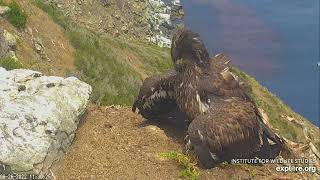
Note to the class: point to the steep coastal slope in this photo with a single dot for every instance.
(114, 142)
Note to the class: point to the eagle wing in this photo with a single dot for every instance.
(156, 96)
(221, 62)
(229, 129)
(217, 79)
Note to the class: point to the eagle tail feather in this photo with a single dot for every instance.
(206, 158)
(280, 146)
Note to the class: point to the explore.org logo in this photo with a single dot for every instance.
(311, 169)
(285, 165)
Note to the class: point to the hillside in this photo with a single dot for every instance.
(67, 38)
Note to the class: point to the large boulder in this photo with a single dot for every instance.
(39, 116)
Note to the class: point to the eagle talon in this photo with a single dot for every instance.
(136, 105)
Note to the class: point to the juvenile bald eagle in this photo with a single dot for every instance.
(157, 96)
(230, 129)
(225, 122)
(200, 75)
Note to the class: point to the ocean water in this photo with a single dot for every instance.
(277, 42)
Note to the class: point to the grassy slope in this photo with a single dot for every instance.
(58, 53)
(15, 16)
(114, 67)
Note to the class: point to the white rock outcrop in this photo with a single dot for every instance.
(160, 20)
(38, 118)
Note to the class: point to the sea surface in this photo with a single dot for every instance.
(277, 42)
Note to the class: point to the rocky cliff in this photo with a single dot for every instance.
(146, 19)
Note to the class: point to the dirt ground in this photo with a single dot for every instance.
(115, 143)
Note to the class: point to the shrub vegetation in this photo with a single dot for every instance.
(9, 63)
(16, 16)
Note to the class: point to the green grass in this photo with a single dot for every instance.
(273, 106)
(155, 58)
(113, 81)
(16, 16)
(57, 16)
(189, 169)
(9, 63)
(104, 67)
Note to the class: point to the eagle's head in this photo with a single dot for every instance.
(188, 49)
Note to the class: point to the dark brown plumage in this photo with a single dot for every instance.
(181, 47)
(225, 132)
(157, 95)
(156, 98)
(200, 76)
(194, 86)
(230, 129)
(225, 122)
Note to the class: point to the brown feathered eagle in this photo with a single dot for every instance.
(225, 122)
(156, 99)
(200, 76)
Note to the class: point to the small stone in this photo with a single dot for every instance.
(38, 47)
(111, 25)
(4, 10)
(105, 3)
(21, 88)
(124, 29)
(117, 16)
(108, 125)
(36, 75)
(116, 33)
(50, 85)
